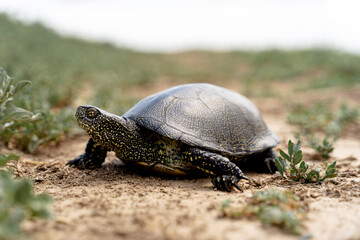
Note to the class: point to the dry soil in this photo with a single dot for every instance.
(115, 202)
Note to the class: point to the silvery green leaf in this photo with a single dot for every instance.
(15, 113)
(297, 157)
(304, 166)
(8, 124)
(6, 158)
(19, 85)
(290, 148)
(284, 155)
(297, 146)
(313, 176)
(279, 166)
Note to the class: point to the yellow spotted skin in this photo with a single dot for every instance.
(189, 129)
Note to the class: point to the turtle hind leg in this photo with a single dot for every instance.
(93, 157)
(270, 161)
(263, 162)
(225, 174)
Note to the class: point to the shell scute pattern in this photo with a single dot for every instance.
(206, 116)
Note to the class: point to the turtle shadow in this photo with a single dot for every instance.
(115, 171)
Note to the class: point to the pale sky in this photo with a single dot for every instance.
(165, 25)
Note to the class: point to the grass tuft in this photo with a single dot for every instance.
(321, 120)
(272, 207)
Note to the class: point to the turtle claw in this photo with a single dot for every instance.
(83, 161)
(244, 177)
(226, 182)
(237, 187)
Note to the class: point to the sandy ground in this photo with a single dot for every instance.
(115, 202)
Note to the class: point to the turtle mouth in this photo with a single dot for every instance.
(80, 114)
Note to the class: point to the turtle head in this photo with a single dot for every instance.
(103, 127)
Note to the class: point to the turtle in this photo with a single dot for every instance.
(188, 130)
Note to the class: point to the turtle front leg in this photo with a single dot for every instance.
(225, 174)
(93, 157)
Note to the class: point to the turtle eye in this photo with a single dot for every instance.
(92, 113)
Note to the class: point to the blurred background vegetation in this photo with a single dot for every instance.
(65, 72)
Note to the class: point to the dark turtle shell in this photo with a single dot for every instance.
(205, 116)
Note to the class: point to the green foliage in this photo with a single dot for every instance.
(346, 115)
(322, 148)
(48, 127)
(17, 200)
(61, 66)
(311, 119)
(18, 203)
(293, 167)
(9, 113)
(320, 119)
(22, 127)
(4, 159)
(272, 207)
(317, 67)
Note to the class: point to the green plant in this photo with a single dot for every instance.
(272, 207)
(48, 127)
(310, 120)
(293, 167)
(320, 119)
(346, 115)
(23, 128)
(9, 113)
(322, 148)
(18, 203)
(4, 159)
(17, 199)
